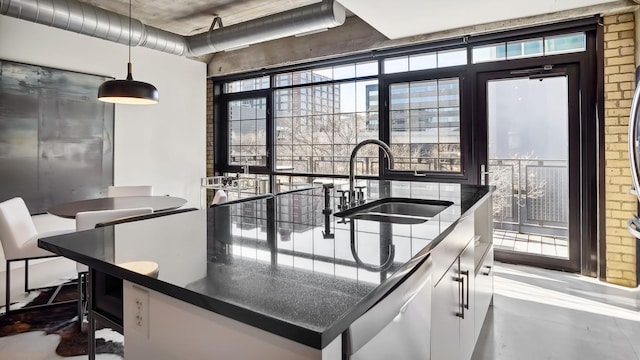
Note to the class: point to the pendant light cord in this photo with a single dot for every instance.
(128, 91)
(129, 70)
(130, 34)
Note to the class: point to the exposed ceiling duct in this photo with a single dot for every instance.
(89, 20)
(307, 19)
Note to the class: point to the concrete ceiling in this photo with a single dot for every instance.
(396, 19)
(188, 17)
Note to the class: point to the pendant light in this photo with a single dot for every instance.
(128, 91)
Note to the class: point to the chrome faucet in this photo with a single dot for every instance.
(245, 168)
(352, 160)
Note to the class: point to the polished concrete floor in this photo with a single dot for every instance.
(541, 314)
(537, 315)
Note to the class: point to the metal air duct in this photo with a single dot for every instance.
(307, 19)
(89, 20)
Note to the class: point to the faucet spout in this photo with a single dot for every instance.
(245, 168)
(352, 160)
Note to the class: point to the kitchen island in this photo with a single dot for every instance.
(280, 277)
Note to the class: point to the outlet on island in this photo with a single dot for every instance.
(140, 313)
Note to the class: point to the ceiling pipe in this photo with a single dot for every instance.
(311, 18)
(89, 20)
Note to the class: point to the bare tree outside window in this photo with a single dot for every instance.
(514, 185)
(528, 154)
(318, 126)
(247, 132)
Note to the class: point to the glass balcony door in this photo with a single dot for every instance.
(531, 154)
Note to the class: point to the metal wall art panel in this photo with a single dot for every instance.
(56, 138)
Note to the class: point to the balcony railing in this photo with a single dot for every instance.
(531, 195)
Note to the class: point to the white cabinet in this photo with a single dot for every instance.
(483, 290)
(463, 289)
(467, 328)
(483, 242)
(452, 335)
(446, 309)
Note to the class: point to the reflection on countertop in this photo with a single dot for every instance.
(270, 263)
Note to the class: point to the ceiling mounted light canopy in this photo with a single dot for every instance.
(128, 91)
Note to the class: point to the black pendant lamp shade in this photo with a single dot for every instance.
(128, 91)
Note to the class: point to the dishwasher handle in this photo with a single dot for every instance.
(390, 308)
(466, 273)
(460, 281)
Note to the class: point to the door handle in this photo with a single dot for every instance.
(483, 174)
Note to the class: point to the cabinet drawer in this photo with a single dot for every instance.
(483, 290)
(448, 249)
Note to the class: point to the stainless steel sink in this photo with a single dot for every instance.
(396, 210)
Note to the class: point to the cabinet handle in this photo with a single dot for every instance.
(460, 281)
(465, 273)
(477, 240)
(488, 270)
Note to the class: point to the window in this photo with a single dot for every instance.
(369, 68)
(322, 110)
(325, 123)
(525, 48)
(247, 85)
(247, 132)
(488, 53)
(425, 125)
(548, 45)
(432, 60)
(565, 44)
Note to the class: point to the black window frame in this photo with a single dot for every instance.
(459, 72)
(222, 132)
(466, 73)
(591, 108)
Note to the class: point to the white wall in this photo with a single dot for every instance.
(162, 145)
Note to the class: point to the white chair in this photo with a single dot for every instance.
(219, 198)
(19, 239)
(86, 220)
(140, 190)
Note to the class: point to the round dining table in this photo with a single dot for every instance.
(157, 203)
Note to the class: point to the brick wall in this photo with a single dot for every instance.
(210, 139)
(619, 76)
(209, 127)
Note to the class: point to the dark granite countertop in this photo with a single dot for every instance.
(270, 263)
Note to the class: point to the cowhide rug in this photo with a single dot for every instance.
(58, 319)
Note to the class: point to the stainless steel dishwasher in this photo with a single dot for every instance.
(399, 325)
